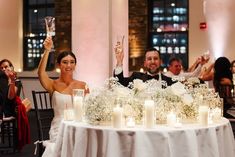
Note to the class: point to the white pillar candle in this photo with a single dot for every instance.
(68, 114)
(77, 105)
(149, 113)
(171, 119)
(130, 122)
(117, 117)
(203, 115)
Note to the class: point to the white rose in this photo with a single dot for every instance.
(178, 88)
(139, 84)
(187, 99)
(122, 91)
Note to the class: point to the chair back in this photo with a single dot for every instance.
(8, 135)
(44, 114)
(227, 93)
(8, 130)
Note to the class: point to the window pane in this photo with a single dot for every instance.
(41, 1)
(35, 32)
(32, 2)
(51, 12)
(169, 29)
(50, 1)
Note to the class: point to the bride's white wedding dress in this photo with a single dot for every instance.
(59, 101)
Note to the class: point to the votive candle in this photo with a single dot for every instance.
(178, 124)
(68, 114)
(130, 122)
(171, 119)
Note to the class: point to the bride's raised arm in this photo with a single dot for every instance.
(46, 82)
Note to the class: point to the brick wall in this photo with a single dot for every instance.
(63, 25)
(138, 32)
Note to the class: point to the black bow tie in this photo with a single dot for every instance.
(153, 77)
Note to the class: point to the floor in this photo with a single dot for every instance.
(28, 150)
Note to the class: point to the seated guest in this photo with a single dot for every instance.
(175, 68)
(233, 70)
(13, 106)
(152, 65)
(208, 73)
(194, 65)
(223, 81)
(10, 105)
(233, 66)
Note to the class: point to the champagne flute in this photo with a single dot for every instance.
(119, 45)
(50, 27)
(206, 55)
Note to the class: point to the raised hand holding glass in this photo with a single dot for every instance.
(119, 45)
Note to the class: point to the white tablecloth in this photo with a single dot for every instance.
(82, 140)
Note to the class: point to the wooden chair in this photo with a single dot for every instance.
(8, 133)
(227, 92)
(44, 114)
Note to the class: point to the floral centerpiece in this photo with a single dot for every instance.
(183, 99)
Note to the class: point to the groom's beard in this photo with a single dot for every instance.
(153, 71)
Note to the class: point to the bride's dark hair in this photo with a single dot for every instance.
(64, 54)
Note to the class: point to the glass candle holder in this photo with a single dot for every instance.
(78, 96)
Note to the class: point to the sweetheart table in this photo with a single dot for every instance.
(189, 140)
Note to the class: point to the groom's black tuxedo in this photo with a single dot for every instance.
(142, 76)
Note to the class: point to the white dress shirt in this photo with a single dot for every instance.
(185, 75)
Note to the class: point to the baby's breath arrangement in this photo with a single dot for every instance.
(178, 98)
(98, 106)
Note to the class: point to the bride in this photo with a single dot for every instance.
(60, 89)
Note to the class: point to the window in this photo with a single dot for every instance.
(34, 32)
(168, 29)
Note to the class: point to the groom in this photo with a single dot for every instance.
(152, 65)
